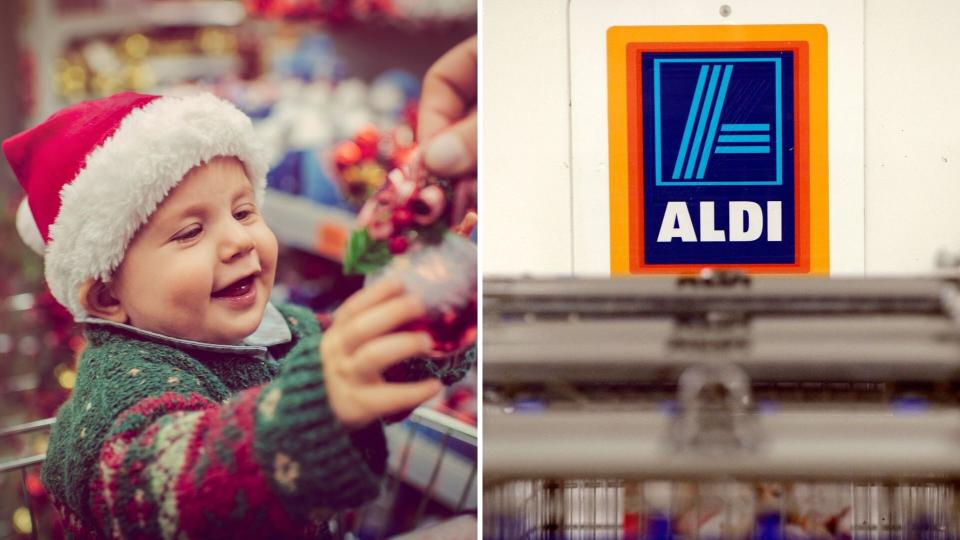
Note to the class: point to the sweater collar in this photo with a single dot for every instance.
(273, 330)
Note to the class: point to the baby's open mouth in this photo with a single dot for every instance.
(239, 287)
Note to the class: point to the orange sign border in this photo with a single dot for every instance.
(809, 44)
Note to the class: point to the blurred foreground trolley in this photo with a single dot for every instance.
(433, 466)
(722, 406)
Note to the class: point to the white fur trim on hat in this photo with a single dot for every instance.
(27, 227)
(129, 175)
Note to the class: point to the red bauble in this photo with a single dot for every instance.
(34, 485)
(347, 154)
(402, 218)
(398, 244)
(367, 140)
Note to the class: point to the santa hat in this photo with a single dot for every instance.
(95, 172)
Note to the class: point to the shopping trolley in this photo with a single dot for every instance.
(721, 406)
(432, 470)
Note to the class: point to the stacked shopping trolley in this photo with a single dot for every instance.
(722, 406)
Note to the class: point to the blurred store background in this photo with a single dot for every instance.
(332, 86)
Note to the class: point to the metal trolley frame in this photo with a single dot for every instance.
(722, 406)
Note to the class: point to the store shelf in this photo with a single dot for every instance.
(171, 70)
(301, 223)
(169, 13)
(48, 32)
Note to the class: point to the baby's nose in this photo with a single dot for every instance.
(236, 243)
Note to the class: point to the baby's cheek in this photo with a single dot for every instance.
(190, 286)
(270, 247)
(192, 307)
(267, 250)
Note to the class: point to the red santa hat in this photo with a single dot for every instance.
(95, 172)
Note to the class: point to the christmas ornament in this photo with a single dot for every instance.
(363, 161)
(403, 234)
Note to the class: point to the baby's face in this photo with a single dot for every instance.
(203, 266)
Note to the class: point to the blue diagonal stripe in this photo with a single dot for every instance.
(745, 127)
(702, 122)
(714, 120)
(694, 107)
(743, 138)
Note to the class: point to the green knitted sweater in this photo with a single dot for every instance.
(166, 441)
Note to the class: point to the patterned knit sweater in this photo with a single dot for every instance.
(164, 441)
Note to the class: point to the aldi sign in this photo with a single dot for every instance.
(711, 153)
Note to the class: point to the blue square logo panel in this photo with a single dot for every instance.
(718, 141)
(719, 119)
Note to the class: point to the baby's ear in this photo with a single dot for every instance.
(98, 300)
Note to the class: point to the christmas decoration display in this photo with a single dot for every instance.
(330, 140)
(400, 12)
(403, 234)
(144, 61)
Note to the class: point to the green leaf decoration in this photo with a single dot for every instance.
(365, 255)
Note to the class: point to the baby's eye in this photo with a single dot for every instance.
(188, 234)
(241, 215)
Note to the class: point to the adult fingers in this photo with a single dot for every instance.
(467, 224)
(464, 199)
(378, 354)
(380, 319)
(367, 297)
(453, 152)
(449, 90)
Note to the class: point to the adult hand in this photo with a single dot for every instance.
(447, 119)
(361, 344)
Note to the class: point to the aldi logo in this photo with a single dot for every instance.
(717, 142)
(719, 120)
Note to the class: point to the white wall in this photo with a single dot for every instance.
(912, 141)
(525, 151)
(912, 135)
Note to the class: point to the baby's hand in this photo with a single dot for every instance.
(360, 344)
